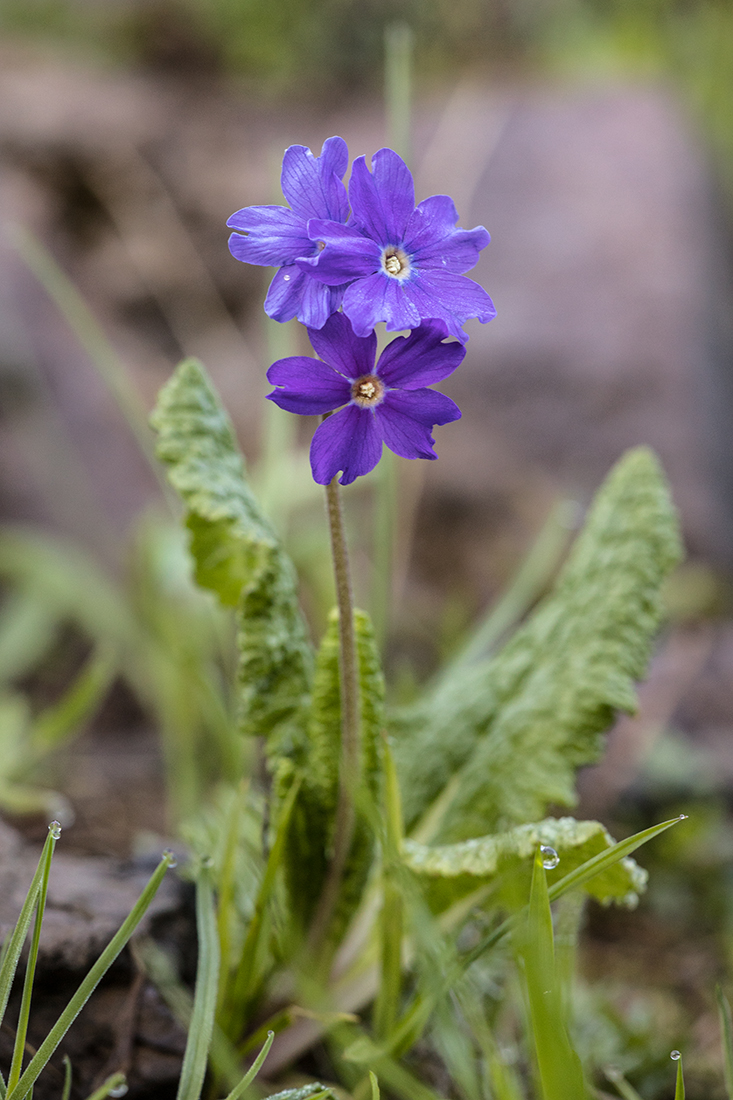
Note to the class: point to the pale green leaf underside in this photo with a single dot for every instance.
(574, 841)
(236, 553)
(516, 727)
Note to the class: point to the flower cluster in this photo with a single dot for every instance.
(376, 257)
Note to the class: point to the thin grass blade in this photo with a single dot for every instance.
(391, 920)
(11, 952)
(726, 1032)
(679, 1091)
(39, 1061)
(254, 1069)
(66, 1093)
(558, 1065)
(111, 1087)
(196, 1056)
(624, 1089)
(21, 1028)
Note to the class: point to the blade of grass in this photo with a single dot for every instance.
(254, 1069)
(391, 918)
(54, 724)
(679, 1090)
(67, 1078)
(624, 1089)
(38, 1063)
(532, 577)
(196, 1056)
(21, 1028)
(109, 1087)
(12, 951)
(93, 339)
(726, 1031)
(558, 1065)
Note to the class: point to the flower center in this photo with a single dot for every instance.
(395, 262)
(367, 391)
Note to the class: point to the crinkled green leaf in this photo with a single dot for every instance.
(311, 836)
(236, 552)
(464, 865)
(518, 726)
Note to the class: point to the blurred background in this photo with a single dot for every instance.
(594, 139)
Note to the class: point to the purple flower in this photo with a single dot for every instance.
(386, 403)
(403, 264)
(277, 236)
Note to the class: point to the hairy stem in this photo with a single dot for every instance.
(350, 723)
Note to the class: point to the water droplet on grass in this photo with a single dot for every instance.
(55, 829)
(675, 1055)
(118, 1090)
(170, 855)
(550, 858)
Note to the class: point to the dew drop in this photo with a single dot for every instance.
(286, 278)
(550, 858)
(118, 1090)
(55, 829)
(170, 856)
(675, 1055)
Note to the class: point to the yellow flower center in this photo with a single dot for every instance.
(396, 262)
(367, 391)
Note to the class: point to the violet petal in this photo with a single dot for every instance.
(379, 298)
(312, 185)
(406, 420)
(382, 200)
(434, 241)
(340, 347)
(275, 235)
(307, 386)
(348, 253)
(420, 359)
(351, 441)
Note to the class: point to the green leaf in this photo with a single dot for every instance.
(45, 1051)
(558, 1066)
(237, 554)
(311, 834)
(462, 866)
(726, 1031)
(679, 1092)
(196, 1056)
(517, 727)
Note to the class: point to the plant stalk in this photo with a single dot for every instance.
(345, 818)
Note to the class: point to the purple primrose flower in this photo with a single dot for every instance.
(386, 403)
(277, 236)
(404, 264)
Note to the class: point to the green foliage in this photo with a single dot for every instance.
(558, 1068)
(556, 686)
(461, 867)
(311, 837)
(237, 554)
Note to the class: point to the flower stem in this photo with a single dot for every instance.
(349, 767)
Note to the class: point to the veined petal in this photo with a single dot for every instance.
(351, 441)
(285, 293)
(307, 386)
(275, 236)
(406, 419)
(379, 298)
(420, 359)
(434, 241)
(382, 200)
(347, 255)
(313, 185)
(318, 302)
(340, 347)
(451, 298)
